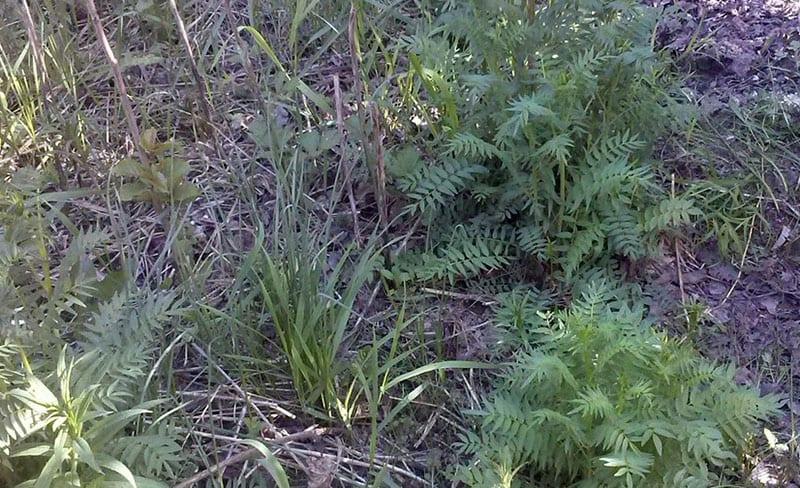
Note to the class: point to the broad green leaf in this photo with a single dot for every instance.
(114, 465)
(185, 192)
(136, 191)
(85, 454)
(52, 467)
(174, 169)
(310, 142)
(33, 451)
(270, 463)
(128, 168)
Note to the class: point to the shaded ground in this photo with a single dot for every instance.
(734, 48)
(743, 53)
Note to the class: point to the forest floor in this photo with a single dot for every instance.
(738, 300)
(742, 53)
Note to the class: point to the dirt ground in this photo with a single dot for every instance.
(736, 51)
(734, 48)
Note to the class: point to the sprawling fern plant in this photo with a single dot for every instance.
(598, 399)
(543, 118)
(68, 421)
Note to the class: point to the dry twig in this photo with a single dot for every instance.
(198, 78)
(133, 126)
(248, 454)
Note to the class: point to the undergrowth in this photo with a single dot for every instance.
(540, 147)
(230, 259)
(595, 397)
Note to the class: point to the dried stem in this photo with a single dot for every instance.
(348, 172)
(250, 453)
(41, 69)
(380, 164)
(36, 46)
(198, 78)
(130, 118)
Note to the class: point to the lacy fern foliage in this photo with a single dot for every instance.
(70, 421)
(599, 399)
(546, 118)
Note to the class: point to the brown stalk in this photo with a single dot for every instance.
(380, 164)
(130, 118)
(36, 46)
(198, 78)
(348, 181)
(379, 172)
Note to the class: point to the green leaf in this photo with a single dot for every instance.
(114, 465)
(33, 451)
(128, 168)
(310, 142)
(318, 100)
(185, 192)
(52, 467)
(136, 191)
(174, 169)
(437, 366)
(270, 463)
(85, 454)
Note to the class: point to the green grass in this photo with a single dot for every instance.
(289, 352)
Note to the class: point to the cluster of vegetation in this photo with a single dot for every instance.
(543, 147)
(595, 398)
(495, 146)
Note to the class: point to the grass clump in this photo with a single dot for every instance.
(309, 300)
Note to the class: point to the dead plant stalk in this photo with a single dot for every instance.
(198, 78)
(130, 117)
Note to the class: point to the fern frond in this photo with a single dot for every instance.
(432, 186)
(558, 147)
(117, 343)
(155, 455)
(670, 213)
(533, 241)
(615, 148)
(582, 244)
(469, 146)
(523, 110)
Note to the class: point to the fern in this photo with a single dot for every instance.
(602, 400)
(464, 256)
(672, 212)
(470, 146)
(431, 187)
(79, 411)
(561, 134)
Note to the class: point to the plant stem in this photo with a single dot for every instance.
(130, 118)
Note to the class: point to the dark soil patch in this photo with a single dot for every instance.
(735, 48)
(736, 52)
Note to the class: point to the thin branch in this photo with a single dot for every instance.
(133, 127)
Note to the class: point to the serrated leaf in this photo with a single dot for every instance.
(136, 191)
(128, 168)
